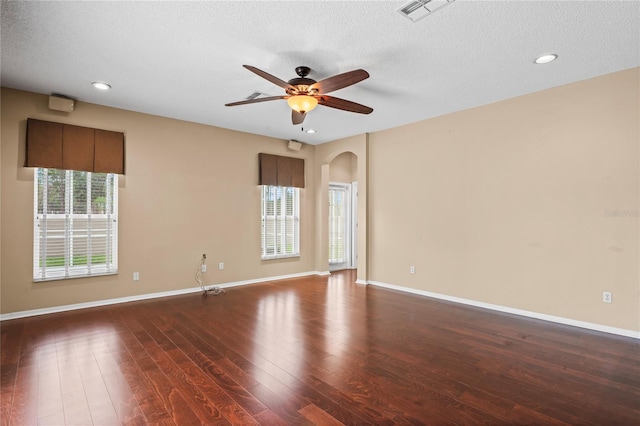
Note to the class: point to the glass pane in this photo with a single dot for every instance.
(337, 225)
(278, 200)
(40, 183)
(99, 193)
(99, 229)
(289, 201)
(270, 232)
(79, 192)
(56, 190)
(79, 244)
(289, 230)
(54, 240)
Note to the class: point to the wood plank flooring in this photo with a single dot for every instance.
(316, 350)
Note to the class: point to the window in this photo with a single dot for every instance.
(280, 222)
(75, 224)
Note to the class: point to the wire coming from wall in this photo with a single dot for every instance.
(206, 291)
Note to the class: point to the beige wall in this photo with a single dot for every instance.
(510, 203)
(189, 189)
(344, 168)
(529, 203)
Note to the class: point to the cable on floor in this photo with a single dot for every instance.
(206, 291)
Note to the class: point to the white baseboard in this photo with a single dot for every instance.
(506, 309)
(499, 308)
(76, 306)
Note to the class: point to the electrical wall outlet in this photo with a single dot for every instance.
(221, 266)
(136, 276)
(412, 269)
(203, 267)
(606, 296)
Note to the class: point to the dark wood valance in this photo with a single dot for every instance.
(281, 171)
(64, 146)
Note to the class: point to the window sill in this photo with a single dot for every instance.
(58, 274)
(284, 256)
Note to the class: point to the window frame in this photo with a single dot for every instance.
(109, 218)
(280, 237)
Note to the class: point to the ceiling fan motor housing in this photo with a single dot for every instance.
(301, 83)
(303, 71)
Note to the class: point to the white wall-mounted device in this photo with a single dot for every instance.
(294, 145)
(60, 103)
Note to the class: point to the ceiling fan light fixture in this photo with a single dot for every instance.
(302, 103)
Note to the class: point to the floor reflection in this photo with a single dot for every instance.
(60, 377)
(278, 334)
(339, 319)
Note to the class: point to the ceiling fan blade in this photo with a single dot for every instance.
(271, 78)
(339, 81)
(344, 105)
(297, 117)
(256, 100)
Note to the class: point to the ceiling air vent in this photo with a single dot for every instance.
(418, 9)
(255, 95)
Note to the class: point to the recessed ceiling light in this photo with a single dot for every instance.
(545, 59)
(311, 131)
(101, 86)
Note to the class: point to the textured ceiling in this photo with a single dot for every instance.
(184, 59)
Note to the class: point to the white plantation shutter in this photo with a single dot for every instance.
(280, 209)
(75, 224)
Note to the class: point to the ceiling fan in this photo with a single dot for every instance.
(304, 94)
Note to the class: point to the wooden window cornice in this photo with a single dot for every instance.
(64, 146)
(277, 170)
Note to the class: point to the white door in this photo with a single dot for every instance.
(341, 228)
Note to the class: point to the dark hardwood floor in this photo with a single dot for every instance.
(316, 350)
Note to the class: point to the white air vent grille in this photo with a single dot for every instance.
(409, 8)
(254, 95)
(419, 9)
